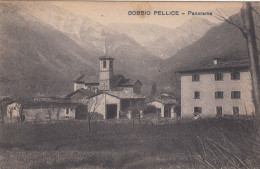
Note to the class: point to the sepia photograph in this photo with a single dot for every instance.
(129, 85)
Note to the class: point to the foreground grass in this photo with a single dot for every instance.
(206, 143)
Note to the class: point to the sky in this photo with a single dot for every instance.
(117, 12)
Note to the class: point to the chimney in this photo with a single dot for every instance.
(216, 61)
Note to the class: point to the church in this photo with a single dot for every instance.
(109, 95)
(107, 81)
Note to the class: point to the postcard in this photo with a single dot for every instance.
(129, 84)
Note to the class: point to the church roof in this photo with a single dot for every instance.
(84, 79)
(129, 82)
(106, 57)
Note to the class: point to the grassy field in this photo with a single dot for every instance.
(205, 143)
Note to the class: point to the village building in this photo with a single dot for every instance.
(165, 106)
(13, 110)
(108, 95)
(39, 111)
(216, 89)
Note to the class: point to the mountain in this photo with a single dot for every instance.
(35, 57)
(44, 47)
(164, 42)
(174, 40)
(129, 54)
(224, 41)
(143, 33)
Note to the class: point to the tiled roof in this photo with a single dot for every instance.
(166, 101)
(49, 104)
(125, 95)
(223, 65)
(126, 82)
(83, 78)
(83, 92)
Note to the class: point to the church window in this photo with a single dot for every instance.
(104, 64)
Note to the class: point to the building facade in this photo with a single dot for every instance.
(110, 103)
(217, 89)
(39, 111)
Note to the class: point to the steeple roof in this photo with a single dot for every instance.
(106, 58)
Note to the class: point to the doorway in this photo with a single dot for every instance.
(111, 111)
(167, 111)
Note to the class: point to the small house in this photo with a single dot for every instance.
(41, 111)
(165, 106)
(111, 103)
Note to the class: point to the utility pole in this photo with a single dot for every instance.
(250, 36)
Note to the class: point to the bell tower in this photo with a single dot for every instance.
(106, 72)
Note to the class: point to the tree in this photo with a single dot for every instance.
(2, 111)
(154, 89)
(90, 107)
(248, 31)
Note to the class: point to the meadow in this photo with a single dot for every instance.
(203, 143)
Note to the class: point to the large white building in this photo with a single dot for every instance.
(219, 88)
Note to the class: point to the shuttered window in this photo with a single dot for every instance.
(219, 95)
(195, 77)
(218, 76)
(235, 95)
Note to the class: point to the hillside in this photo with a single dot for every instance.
(164, 42)
(90, 34)
(33, 57)
(176, 39)
(41, 55)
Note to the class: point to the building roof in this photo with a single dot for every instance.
(84, 79)
(106, 57)
(121, 95)
(125, 95)
(83, 92)
(121, 81)
(222, 65)
(49, 104)
(165, 101)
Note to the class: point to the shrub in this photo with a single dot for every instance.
(150, 109)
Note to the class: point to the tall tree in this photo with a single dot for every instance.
(250, 36)
(248, 31)
(154, 89)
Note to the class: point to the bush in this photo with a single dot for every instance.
(150, 109)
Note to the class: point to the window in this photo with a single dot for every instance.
(219, 95)
(219, 110)
(195, 78)
(196, 95)
(111, 64)
(67, 111)
(235, 76)
(235, 110)
(235, 95)
(104, 64)
(197, 110)
(218, 76)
